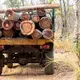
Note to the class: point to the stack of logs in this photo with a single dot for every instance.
(26, 25)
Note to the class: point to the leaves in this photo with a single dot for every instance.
(50, 1)
(14, 3)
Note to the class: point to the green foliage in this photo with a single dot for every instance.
(78, 74)
(50, 1)
(12, 3)
(79, 45)
(57, 12)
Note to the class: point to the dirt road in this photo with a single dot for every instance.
(36, 72)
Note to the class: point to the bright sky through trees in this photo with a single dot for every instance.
(34, 1)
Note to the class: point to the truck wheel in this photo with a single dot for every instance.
(49, 62)
(42, 63)
(0, 69)
(10, 57)
(42, 60)
(10, 65)
(1, 62)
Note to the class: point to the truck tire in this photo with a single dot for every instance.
(42, 63)
(10, 57)
(10, 65)
(49, 62)
(0, 69)
(1, 62)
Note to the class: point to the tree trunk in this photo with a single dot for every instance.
(75, 37)
(64, 19)
(22, 2)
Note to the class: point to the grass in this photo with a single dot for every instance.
(67, 46)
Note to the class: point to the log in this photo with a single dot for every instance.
(22, 36)
(0, 33)
(35, 18)
(41, 12)
(7, 24)
(25, 16)
(27, 27)
(36, 34)
(47, 33)
(45, 23)
(8, 33)
(11, 15)
(17, 25)
(1, 20)
(35, 7)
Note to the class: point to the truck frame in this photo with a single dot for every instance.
(24, 51)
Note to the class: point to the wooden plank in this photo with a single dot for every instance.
(45, 6)
(19, 41)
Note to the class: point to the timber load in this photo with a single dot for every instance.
(26, 23)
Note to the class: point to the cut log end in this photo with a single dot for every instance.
(36, 34)
(47, 33)
(7, 24)
(27, 27)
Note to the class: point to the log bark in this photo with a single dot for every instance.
(1, 20)
(17, 25)
(0, 33)
(36, 34)
(25, 16)
(35, 18)
(8, 33)
(41, 12)
(11, 15)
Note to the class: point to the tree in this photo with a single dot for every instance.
(76, 36)
(64, 7)
(33, 2)
(50, 1)
(76, 27)
(12, 3)
(22, 1)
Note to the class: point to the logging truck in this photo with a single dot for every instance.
(27, 36)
